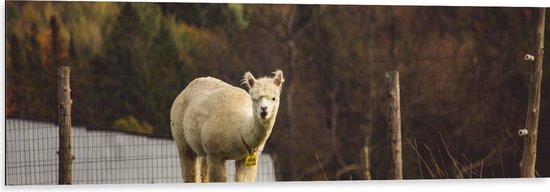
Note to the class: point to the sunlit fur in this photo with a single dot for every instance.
(209, 117)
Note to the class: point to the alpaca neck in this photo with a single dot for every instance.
(256, 133)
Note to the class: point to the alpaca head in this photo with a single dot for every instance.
(265, 94)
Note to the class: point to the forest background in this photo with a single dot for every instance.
(464, 80)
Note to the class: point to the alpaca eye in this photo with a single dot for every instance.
(273, 99)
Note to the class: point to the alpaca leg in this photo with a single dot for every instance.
(245, 173)
(204, 169)
(216, 169)
(239, 170)
(188, 163)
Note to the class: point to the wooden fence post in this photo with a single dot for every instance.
(365, 164)
(394, 125)
(64, 97)
(527, 163)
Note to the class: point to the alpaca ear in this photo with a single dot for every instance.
(278, 80)
(249, 80)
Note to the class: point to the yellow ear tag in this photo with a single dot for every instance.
(250, 160)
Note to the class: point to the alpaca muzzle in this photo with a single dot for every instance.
(263, 114)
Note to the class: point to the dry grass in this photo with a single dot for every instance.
(461, 168)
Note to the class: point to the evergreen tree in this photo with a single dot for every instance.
(16, 70)
(114, 69)
(167, 78)
(55, 41)
(33, 79)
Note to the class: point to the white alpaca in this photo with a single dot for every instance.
(212, 122)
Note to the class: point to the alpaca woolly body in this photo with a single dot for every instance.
(210, 119)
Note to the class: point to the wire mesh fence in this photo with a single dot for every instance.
(452, 121)
(101, 156)
(31, 152)
(459, 111)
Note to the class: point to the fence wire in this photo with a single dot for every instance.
(101, 157)
(320, 135)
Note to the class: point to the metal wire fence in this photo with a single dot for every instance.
(101, 156)
(456, 112)
(319, 136)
